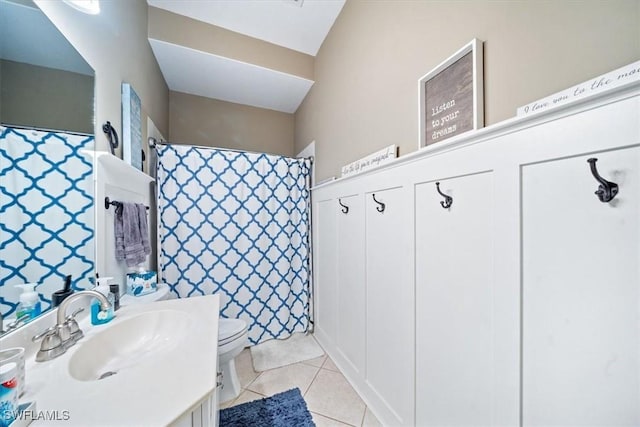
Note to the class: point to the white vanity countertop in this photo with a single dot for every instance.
(155, 392)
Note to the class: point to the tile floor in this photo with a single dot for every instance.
(329, 396)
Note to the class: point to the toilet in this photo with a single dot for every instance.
(232, 339)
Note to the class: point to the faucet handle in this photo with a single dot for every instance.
(50, 338)
(44, 333)
(64, 332)
(75, 313)
(52, 345)
(74, 330)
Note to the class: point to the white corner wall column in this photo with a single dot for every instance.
(517, 305)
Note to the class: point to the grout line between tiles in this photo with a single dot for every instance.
(331, 370)
(319, 368)
(242, 390)
(311, 383)
(333, 419)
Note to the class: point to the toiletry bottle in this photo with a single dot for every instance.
(29, 307)
(58, 296)
(115, 292)
(8, 393)
(98, 317)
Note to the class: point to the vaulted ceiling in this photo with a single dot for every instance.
(28, 36)
(251, 52)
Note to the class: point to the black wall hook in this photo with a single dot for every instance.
(381, 206)
(345, 208)
(448, 200)
(607, 190)
(112, 136)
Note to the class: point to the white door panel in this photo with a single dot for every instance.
(454, 294)
(390, 305)
(325, 266)
(581, 293)
(351, 287)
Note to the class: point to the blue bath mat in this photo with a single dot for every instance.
(287, 409)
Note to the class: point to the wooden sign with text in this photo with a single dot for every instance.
(451, 96)
(628, 74)
(371, 161)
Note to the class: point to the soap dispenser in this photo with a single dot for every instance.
(99, 317)
(29, 307)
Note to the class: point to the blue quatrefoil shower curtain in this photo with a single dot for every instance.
(237, 224)
(46, 212)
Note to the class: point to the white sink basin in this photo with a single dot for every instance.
(128, 344)
(160, 346)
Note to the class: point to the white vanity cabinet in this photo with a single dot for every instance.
(176, 375)
(518, 305)
(205, 414)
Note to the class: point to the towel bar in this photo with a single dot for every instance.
(108, 202)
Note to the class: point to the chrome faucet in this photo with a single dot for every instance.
(57, 339)
(62, 308)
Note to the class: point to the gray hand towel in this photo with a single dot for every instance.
(132, 234)
(144, 228)
(118, 229)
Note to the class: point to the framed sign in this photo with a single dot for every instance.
(131, 127)
(451, 96)
(371, 161)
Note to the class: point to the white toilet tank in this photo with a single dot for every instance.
(161, 294)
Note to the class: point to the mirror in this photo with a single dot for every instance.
(46, 167)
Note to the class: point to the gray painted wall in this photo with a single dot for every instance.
(45, 98)
(366, 91)
(115, 44)
(204, 121)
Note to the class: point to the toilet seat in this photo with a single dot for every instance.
(230, 329)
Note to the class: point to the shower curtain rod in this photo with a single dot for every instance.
(153, 142)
